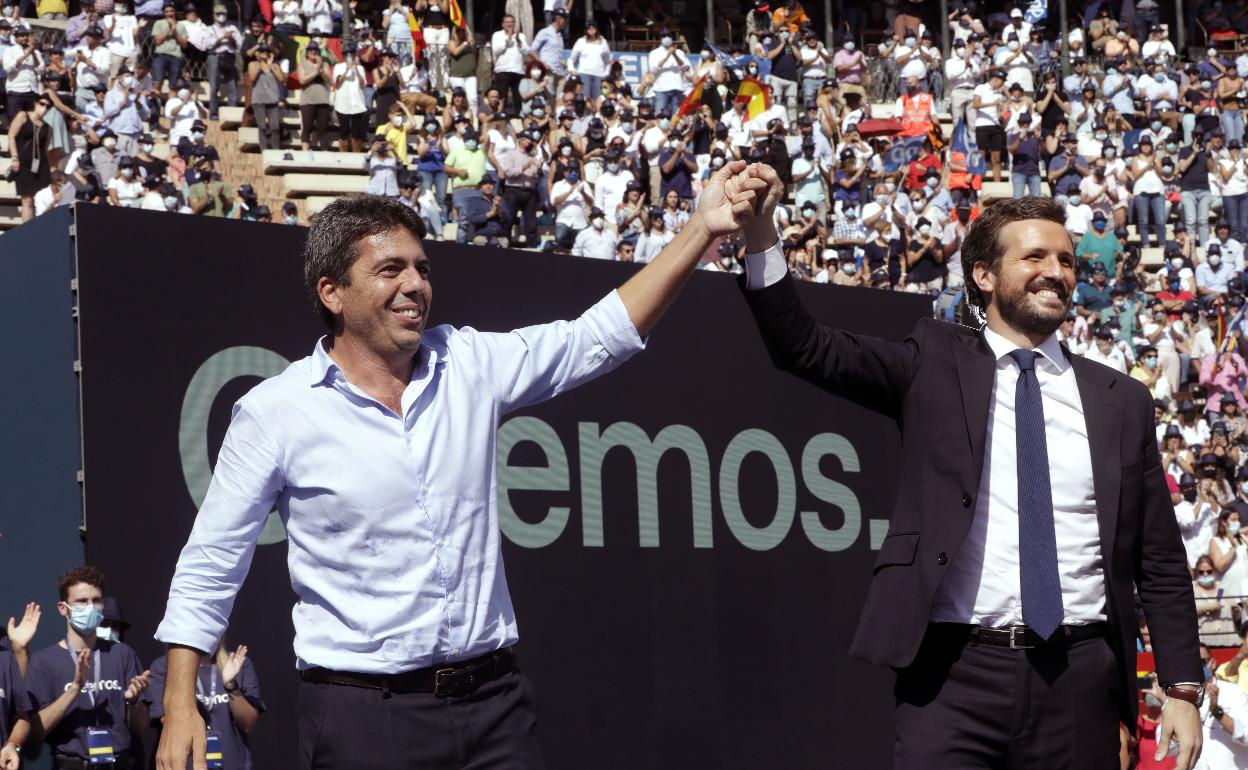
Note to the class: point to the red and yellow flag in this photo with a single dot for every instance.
(457, 15)
(756, 96)
(693, 100)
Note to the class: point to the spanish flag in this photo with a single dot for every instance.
(693, 100)
(756, 96)
(457, 15)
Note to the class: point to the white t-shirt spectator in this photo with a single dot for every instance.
(182, 115)
(349, 97)
(812, 61)
(1078, 218)
(320, 16)
(595, 244)
(609, 189)
(128, 192)
(22, 78)
(1114, 359)
(509, 52)
(990, 101)
(122, 41)
(668, 66)
(1163, 94)
(915, 66)
(591, 57)
(97, 73)
(650, 244)
(287, 13)
(571, 213)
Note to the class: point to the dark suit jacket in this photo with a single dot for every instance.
(937, 385)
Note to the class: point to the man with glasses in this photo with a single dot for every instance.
(84, 691)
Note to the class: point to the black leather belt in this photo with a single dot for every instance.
(66, 762)
(450, 681)
(1023, 638)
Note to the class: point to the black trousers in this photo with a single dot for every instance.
(961, 706)
(354, 728)
(522, 200)
(508, 85)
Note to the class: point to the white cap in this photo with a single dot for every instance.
(1017, 13)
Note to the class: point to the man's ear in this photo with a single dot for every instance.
(330, 295)
(984, 279)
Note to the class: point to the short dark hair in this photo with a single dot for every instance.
(84, 573)
(983, 242)
(333, 240)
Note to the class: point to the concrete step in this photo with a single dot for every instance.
(313, 162)
(303, 185)
(249, 139)
(232, 117)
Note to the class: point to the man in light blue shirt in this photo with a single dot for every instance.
(1214, 274)
(548, 43)
(378, 452)
(126, 112)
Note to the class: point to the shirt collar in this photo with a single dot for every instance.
(1050, 349)
(433, 352)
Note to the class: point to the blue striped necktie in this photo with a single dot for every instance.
(1037, 541)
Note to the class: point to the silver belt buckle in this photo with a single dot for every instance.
(1016, 633)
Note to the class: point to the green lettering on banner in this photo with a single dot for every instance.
(832, 492)
(646, 455)
(553, 478)
(209, 379)
(743, 444)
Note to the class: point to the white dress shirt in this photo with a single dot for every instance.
(981, 584)
(392, 521)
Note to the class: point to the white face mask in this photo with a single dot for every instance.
(925, 230)
(1207, 581)
(1012, 45)
(110, 142)
(128, 81)
(397, 120)
(1232, 527)
(565, 152)
(850, 45)
(184, 94)
(127, 172)
(598, 223)
(535, 74)
(171, 201)
(147, 147)
(613, 167)
(290, 219)
(221, 18)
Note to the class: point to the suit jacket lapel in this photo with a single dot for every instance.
(1103, 416)
(977, 371)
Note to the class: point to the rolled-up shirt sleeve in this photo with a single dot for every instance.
(764, 268)
(530, 365)
(245, 485)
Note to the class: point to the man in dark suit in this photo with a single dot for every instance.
(1032, 507)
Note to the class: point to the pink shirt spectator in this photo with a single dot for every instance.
(853, 59)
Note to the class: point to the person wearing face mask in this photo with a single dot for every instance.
(1213, 276)
(671, 70)
(126, 188)
(1104, 351)
(183, 110)
(1148, 370)
(1078, 216)
(612, 183)
(1099, 245)
(521, 169)
(1231, 249)
(987, 100)
(591, 60)
(1228, 549)
(1233, 174)
(849, 65)
(87, 690)
(126, 112)
(510, 49)
(222, 61)
(1145, 170)
(170, 200)
(1195, 166)
(596, 241)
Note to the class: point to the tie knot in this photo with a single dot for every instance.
(1026, 359)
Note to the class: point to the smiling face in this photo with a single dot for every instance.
(384, 304)
(1033, 286)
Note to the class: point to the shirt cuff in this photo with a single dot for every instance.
(614, 328)
(765, 268)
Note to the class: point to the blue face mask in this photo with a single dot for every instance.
(85, 618)
(171, 201)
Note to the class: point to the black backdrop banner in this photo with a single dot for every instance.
(688, 539)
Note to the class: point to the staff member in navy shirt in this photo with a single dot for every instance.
(228, 692)
(85, 689)
(14, 712)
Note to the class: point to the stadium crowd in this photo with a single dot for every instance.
(525, 128)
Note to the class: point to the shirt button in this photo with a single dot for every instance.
(438, 542)
(966, 501)
(942, 558)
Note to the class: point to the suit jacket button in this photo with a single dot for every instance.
(942, 558)
(966, 501)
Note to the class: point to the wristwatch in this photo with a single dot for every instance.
(1216, 712)
(1193, 694)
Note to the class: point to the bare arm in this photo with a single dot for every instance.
(184, 734)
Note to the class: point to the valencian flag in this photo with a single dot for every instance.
(756, 96)
(693, 100)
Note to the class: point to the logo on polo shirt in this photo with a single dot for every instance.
(104, 684)
(215, 700)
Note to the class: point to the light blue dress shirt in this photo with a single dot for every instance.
(548, 46)
(392, 522)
